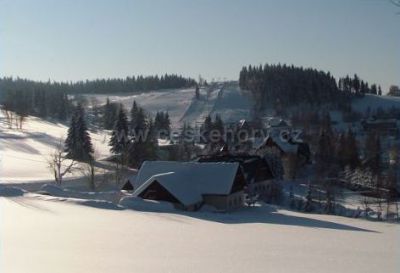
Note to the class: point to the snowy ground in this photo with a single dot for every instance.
(374, 102)
(24, 153)
(53, 236)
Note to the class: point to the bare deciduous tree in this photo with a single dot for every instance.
(59, 164)
(8, 114)
(89, 170)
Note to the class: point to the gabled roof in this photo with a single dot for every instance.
(250, 164)
(284, 146)
(187, 181)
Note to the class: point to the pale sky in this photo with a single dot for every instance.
(67, 40)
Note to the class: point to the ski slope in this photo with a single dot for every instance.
(226, 100)
(54, 236)
(24, 153)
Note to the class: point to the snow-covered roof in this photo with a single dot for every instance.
(187, 181)
(284, 145)
(277, 122)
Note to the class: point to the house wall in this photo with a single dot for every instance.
(268, 190)
(261, 187)
(225, 202)
(290, 164)
(157, 192)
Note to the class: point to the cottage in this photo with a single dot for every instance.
(257, 172)
(189, 185)
(294, 154)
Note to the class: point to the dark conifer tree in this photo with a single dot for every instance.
(374, 89)
(324, 156)
(341, 151)
(373, 153)
(352, 158)
(197, 92)
(143, 144)
(110, 115)
(151, 142)
(78, 144)
(206, 129)
(219, 125)
(119, 138)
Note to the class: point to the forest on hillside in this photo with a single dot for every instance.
(284, 86)
(101, 86)
(50, 99)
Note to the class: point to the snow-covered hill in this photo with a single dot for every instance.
(374, 102)
(226, 100)
(24, 153)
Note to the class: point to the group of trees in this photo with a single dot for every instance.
(347, 151)
(162, 122)
(76, 148)
(282, 85)
(23, 98)
(336, 152)
(134, 140)
(131, 84)
(20, 98)
(342, 150)
(109, 114)
(358, 87)
(394, 90)
(128, 84)
(212, 129)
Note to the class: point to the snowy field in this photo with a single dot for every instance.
(24, 153)
(39, 236)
